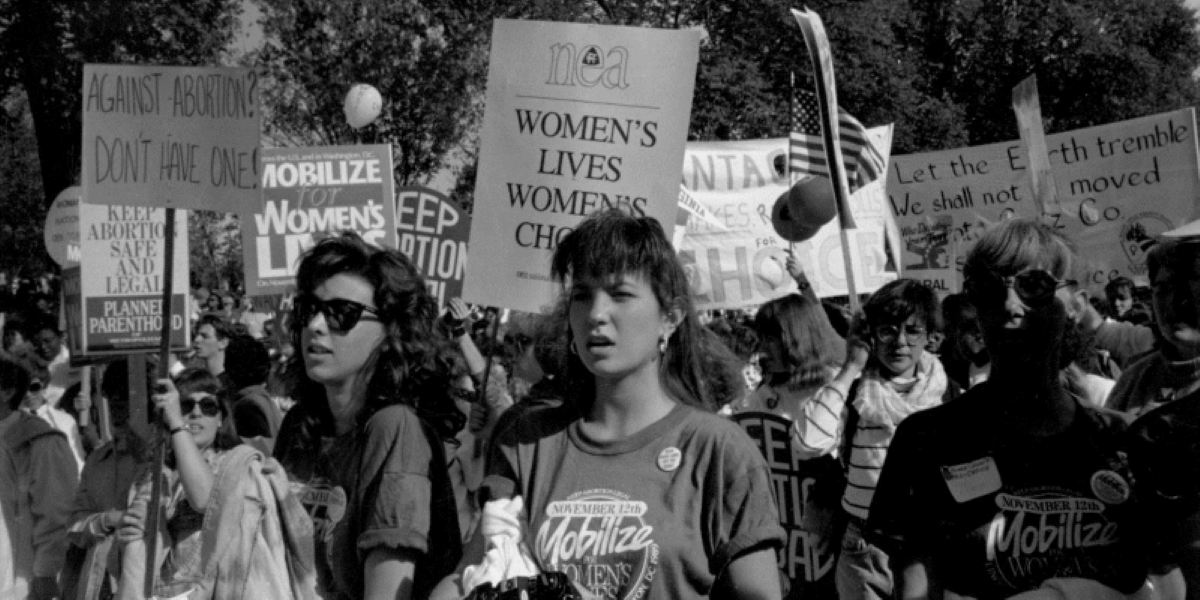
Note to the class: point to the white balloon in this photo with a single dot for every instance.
(363, 105)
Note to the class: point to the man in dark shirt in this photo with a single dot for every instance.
(255, 415)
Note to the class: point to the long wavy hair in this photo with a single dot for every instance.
(811, 347)
(613, 244)
(415, 364)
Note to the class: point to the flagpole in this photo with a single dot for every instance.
(822, 63)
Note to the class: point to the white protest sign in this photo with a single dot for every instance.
(1120, 185)
(579, 118)
(176, 137)
(742, 264)
(120, 281)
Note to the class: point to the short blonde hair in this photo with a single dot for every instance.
(1018, 244)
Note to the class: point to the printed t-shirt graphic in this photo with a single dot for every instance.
(601, 540)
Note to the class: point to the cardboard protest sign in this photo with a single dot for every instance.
(113, 299)
(61, 233)
(579, 118)
(311, 193)
(742, 264)
(433, 232)
(1119, 186)
(177, 137)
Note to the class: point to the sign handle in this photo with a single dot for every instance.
(154, 507)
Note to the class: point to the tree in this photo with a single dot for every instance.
(45, 43)
(22, 248)
(214, 250)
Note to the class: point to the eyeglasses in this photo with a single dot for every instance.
(888, 334)
(209, 406)
(340, 314)
(1035, 287)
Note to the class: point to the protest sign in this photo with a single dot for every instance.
(1119, 186)
(176, 137)
(742, 264)
(579, 118)
(309, 194)
(61, 233)
(113, 300)
(433, 232)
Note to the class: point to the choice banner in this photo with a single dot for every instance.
(742, 262)
(579, 118)
(433, 232)
(113, 299)
(175, 137)
(309, 194)
(1119, 186)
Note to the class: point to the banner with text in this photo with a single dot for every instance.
(1120, 185)
(176, 137)
(743, 263)
(579, 118)
(309, 194)
(433, 232)
(114, 304)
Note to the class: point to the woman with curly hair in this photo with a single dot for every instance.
(364, 443)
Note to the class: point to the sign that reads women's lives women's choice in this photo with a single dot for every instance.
(579, 118)
(311, 193)
(175, 137)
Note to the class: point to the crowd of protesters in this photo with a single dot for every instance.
(1024, 438)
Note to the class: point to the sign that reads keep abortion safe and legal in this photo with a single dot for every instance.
(1120, 185)
(120, 281)
(177, 137)
(433, 232)
(579, 118)
(309, 194)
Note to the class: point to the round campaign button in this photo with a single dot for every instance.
(1110, 487)
(669, 458)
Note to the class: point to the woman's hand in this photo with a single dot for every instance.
(858, 345)
(457, 312)
(132, 526)
(166, 400)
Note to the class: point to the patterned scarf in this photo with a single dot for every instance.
(879, 403)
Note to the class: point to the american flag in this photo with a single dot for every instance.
(806, 153)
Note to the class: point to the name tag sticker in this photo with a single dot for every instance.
(972, 480)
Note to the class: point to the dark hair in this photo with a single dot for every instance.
(898, 300)
(810, 345)
(1116, 285)
(247, 362)
(611, 244)
(221, 327)
(193, 380)
(415, 365)
(42, 323)
(15, 377)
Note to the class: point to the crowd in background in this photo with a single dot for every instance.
(387, 424)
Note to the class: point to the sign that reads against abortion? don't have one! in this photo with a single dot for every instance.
(579, 118)
(176, 137)
(309, 194)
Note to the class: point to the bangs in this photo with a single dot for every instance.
(330, 257)
(612, 244)
(1021, 244)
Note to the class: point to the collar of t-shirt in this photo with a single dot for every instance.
(632, 443)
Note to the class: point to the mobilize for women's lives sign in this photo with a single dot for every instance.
(311, 193)
(179, 137)
(579, 118)
(1119, 185)
(113, 299)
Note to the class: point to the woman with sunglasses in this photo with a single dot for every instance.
(199, 432)
(1017, 486)
(633, 488)
(364, 443)
(887, 376)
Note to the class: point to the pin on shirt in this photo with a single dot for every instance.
(669, 458)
